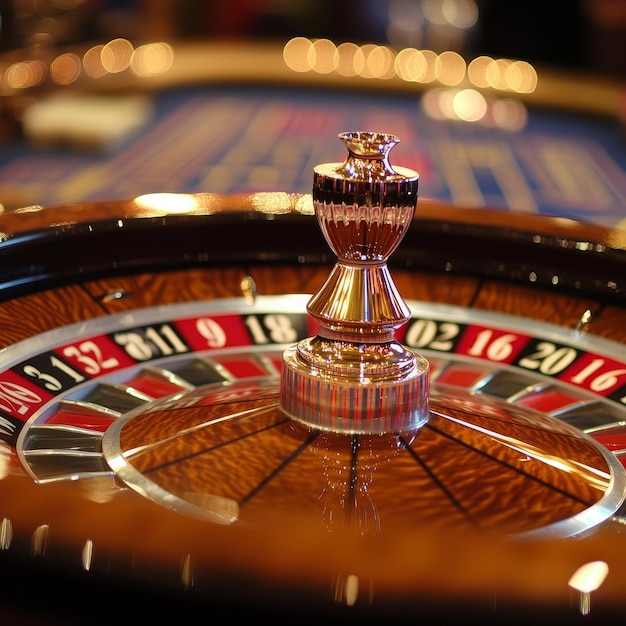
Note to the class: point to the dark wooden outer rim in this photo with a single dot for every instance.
(50, 246)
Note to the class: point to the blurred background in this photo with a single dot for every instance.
(103, 99)
(579, 34)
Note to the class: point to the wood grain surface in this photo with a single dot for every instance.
(292, 561)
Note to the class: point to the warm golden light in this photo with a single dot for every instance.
(187, 575)
(6, 534)
(377, 62)
(39, 540)
(477, 71)
(469, 105)
(116, 55)
(588, 578)
(362, 60)
(410, 65)
(380, 62)
(430, 59)
(296, 54)
(65, 69)
(87, 555)
(271, 202)
(151, 59)
(521, 77)
(92, 62)
(168, 202)
(346, 55)
(496, 73)
(25, 74)
(34, 208)
(323, 56)
(304, 205)
(450, 68)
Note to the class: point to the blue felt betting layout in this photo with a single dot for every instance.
(234, 140)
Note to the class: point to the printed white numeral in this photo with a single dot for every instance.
(142, 347)
(279, 329)
(603, 381)
(548, 359)
(433, 335)
(15, 398)
(498, 349)
(89, 355)
(210, 330)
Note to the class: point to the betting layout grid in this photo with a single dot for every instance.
(234, 140)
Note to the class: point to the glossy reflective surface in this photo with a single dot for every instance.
(228, 452)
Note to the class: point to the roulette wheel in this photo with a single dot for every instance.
(155, 459)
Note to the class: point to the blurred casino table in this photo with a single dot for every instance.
(234, 117)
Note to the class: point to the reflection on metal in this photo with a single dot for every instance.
(87, 555)
(347, 589)
(354, 376)
(39, 541)
(588, 578)
(187, 572)
(6, 534)
(171, 203)
(248, 288)
(583, 323)
(597, 478)
(349, 466)
(112, 295)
